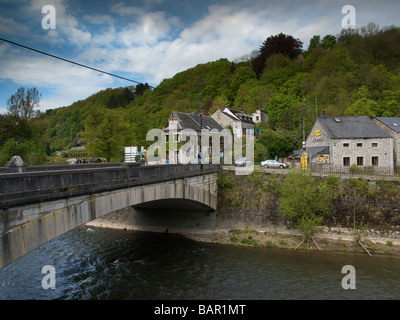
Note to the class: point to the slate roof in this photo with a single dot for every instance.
(312, 151)
(192, 121)
(391, 122)
(239, 115)
(360, 127)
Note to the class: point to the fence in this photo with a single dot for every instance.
(367, 172)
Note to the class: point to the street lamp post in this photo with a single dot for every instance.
(201, 127)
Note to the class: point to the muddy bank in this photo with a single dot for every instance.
(244, 229)
(248, 207)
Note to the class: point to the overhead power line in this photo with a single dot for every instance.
(88, 67)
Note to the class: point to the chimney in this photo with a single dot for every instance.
(323, 115)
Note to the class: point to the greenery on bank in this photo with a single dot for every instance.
(304, 202)
(309, 204)
(356, 72)
(289, 241)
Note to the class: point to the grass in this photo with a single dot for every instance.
(253, 238)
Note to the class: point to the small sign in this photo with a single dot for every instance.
(317, 132)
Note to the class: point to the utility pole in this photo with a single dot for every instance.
(201, 127)
(304, 129)
(304, 159)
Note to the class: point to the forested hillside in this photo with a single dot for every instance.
(354, 73)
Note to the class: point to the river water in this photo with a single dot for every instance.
(97, 263)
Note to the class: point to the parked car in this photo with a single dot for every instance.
(273, 164)
(243, 162)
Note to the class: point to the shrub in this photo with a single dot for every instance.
(224, 182)
(305, 202)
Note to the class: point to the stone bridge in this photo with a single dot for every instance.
(40, 203)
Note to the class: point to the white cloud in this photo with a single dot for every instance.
(10, 27)
(68, 27)
(152, 43)
(67, 83)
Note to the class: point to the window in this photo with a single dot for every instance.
(167, 138)
(346, 161)
(375, 161)
(176, 137)
(359, 145)
(360, 161)
(374, 145)
(176, 156)
(346, 145)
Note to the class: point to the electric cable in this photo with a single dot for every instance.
(91, 68)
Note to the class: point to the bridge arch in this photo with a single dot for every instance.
(26, 227)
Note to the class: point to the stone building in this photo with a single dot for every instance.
(241, 123)
(347, 141)
(179, 121)
(259, 116)
(391, 125)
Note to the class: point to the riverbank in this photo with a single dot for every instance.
(247, 215)
(326, 242)
(253, 238)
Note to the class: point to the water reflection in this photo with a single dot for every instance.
(94, 263)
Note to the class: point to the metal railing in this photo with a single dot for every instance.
(366, 172)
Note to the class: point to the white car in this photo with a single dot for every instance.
(273, 164)
(243, 162)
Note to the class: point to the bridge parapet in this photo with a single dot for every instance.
(38, 206)
(44, 183)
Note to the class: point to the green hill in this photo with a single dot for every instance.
(354, 73)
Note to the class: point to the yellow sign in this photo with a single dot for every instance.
(317, 132)
(304, 160)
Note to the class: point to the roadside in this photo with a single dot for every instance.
(253, 238)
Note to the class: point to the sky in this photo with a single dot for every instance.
(151, 40)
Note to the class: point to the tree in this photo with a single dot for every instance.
(11, 126)
(28, 150)
(283, 112)
(240, 76)
(105, 132)
(304, 202)
(362, 107)
(141, 88)
(314, 42)
(328, 41)
(281, 43)
(273, 143)
(23, 103)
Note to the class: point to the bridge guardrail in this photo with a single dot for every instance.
(67, 181)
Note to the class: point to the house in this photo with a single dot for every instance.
(241, 123)
(391, 125)
(179, 121)
(347, 141)
(259, 116)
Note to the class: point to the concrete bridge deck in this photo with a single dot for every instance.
(44, 202)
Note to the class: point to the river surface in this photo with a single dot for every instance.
(96, 263)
